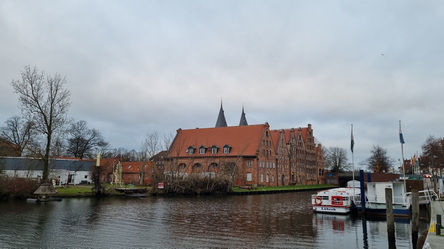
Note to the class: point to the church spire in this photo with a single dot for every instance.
(221, 122)
(243, 119)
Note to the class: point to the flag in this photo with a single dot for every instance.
(352, 143)
(401, 137)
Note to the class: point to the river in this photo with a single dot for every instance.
(252, 221)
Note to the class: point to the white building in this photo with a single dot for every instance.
(62, 171)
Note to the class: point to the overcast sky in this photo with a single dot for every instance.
(138, 67)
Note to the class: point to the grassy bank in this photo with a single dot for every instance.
(87, 191)
(83, 191)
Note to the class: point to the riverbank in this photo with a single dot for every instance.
(278, 189)
(87, 191)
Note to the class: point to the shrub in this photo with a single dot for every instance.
(195, 185)
(17, 187)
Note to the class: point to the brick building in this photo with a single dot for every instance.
(247, 154)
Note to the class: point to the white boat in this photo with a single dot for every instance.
(376, 203)
(336, 200)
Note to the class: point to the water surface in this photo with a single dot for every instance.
(255, 221)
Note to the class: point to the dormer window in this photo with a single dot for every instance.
(191, 150)
(202, 149)
(214, 149)
(227, 149)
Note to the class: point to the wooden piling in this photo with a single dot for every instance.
(415, 216)
(390, 218)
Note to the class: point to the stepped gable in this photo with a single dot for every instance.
(275, 136)
(243, 140)
(287, 132)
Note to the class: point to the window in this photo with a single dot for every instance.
(197, 165)
(249, 163)
(191, 150)
(267, 178)
(262, 178)
(202, 149)
(249, 177)
(182, 165)
(227, 149)
(214, 149)
(214, 165)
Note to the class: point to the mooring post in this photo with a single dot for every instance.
(438, 224)
(415, 215)
(362, 188)
(390, 218)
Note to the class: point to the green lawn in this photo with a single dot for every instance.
(86, 190)
(82, 190)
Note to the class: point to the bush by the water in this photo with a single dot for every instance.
(194, 185)
(17, 187)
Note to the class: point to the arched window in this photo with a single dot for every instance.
(182, 165)
(214, 165)
(197, 165)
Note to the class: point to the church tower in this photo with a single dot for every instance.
(243, 119)
(221, 122)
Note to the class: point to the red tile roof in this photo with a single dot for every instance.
(132, 167)
(243, 140)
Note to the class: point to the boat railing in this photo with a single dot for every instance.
(425, 196)
(401, 200)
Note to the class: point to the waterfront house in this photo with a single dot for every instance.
(62, 170)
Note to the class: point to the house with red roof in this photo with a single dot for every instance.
(115, 171)
(246, 154)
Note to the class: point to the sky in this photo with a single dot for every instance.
(138, 67)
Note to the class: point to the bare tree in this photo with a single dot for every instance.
(150, 146)
(167, 140)
(44, 101)
(379, 161)
(82, 141)
(19, 132)
(336, 159)
(432, 153)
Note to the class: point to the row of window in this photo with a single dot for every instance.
(270, 165)
(214, 149)
(198, 165)
(267, 178)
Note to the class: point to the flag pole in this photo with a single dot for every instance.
(352, 143)
(401, 140)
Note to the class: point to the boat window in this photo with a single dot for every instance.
(345, 198)
(325, 198)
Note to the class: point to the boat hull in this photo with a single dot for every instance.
(332, 209)
(379, 209)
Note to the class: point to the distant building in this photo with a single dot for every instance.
(62, 170)
(116, 172)
(247, 154)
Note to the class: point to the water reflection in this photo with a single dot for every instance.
(257, 221)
